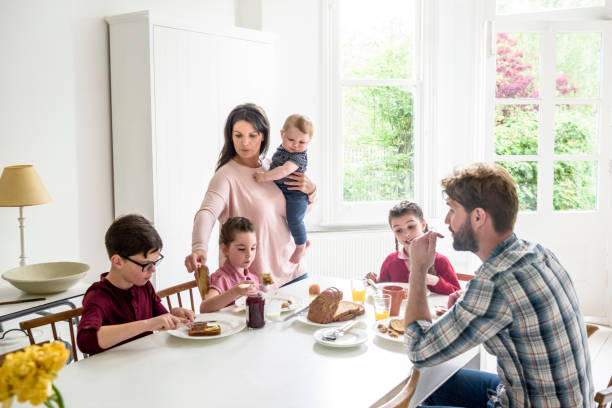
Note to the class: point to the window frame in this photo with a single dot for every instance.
(335, 211)
(547, 100)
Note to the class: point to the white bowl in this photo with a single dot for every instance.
(50, 277)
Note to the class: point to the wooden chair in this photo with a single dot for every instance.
(464, 277)
(70, 316)
(603, 398)
(177, 289)
(401, 395)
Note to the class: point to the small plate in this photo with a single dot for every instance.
(352, 338)
(229, 325)
(295, 304)
(304, 319)
(386, 336)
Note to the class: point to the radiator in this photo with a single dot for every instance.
(347, 254)
(352, 254)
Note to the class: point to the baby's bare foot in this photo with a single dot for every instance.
(298, 254)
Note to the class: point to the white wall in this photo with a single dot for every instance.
(55, 114)
(457, 133)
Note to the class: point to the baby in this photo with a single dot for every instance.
(290, 157)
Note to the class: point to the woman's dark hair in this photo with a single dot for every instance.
(403, 208)
(233, 226)
(131, 235)
(253, 114)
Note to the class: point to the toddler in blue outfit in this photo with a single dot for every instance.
(291, 157)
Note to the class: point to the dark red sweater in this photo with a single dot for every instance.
(394, 269)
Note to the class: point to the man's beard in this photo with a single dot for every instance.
(464, 239)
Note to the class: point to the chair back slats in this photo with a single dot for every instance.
(54, 330)
(67, 316)
(177, 289)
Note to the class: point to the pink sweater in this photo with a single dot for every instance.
(233, 192)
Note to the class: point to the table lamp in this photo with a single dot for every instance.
(20, 186)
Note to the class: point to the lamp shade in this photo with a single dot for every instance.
(21, 186)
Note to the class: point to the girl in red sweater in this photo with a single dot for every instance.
(407, 223)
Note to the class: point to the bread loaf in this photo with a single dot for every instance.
(323, 307)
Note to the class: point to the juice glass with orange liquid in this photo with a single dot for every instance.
(358, 290)
(382, 306)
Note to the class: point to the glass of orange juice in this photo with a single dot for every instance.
(358, 289)
(382, 306)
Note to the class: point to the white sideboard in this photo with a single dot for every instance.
(172, 86)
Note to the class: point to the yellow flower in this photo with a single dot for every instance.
(28, 374)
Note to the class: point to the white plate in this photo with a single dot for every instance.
(386, 336)
(351, 339)
(294, 305)
(304, 319)
(229, 325)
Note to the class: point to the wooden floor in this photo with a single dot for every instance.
(600, 347)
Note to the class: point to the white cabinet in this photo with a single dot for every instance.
(172, 86)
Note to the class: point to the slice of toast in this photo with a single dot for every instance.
(397, 325)
(204, 329)
(347, 310)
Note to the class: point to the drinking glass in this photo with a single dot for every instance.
(382, 306)
(273, 309)
(358, 289)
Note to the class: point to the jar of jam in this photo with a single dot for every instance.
(255, 310)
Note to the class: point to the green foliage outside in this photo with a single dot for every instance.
(379, 131)
(517, 126)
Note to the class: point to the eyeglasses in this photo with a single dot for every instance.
(146, 267)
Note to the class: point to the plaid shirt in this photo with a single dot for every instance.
(522, 305)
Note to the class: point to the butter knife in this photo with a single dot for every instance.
(292, 315)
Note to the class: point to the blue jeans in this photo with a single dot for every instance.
(296, 203)
(466, 388)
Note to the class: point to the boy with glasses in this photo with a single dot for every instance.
(123, 305)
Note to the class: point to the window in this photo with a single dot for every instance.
(530, 6)
(374, 96)
(548, 121)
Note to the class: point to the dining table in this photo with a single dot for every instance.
(278, 365)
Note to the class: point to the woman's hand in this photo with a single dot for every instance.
(195, 259)
(301, 183)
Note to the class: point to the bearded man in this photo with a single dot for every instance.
(521, 304)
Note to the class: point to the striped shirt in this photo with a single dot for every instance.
(523, 306)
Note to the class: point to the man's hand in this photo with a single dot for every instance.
(453, 297)
(423, 252)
